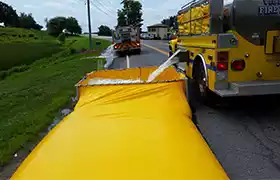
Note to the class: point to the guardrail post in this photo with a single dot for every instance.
(100, 64)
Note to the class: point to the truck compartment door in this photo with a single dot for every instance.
(272, 42)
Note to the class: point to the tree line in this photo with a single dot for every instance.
(55, 26)
(171, 22)
(10, 18)
(130, 14)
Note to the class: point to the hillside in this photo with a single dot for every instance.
(32, 95)
(20, 46)
(19, 35)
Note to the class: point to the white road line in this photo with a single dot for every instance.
(127, 62)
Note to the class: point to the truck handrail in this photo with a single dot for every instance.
(191, 4)
(193, 1)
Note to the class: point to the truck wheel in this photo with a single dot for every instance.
(118, 53)
(191, 98)
(203, 93)
(138, 51)
(170, 54)
(121, 54)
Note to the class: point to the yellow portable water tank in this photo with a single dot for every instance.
(125, 132)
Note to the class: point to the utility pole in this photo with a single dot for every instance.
(89, 25)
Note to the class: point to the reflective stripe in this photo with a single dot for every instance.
(208, 66)
(170, 54)
(127, 45)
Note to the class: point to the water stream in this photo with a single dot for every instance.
(170, 61)
(110, 55)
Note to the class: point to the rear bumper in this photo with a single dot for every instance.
(128, 49)
(250, 88)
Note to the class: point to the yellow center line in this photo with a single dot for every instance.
(160, 51)
(156, 49)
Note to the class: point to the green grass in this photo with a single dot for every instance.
(29, 100)
(83, 43)
(21, 53)
(22, 47)
(32, 92)
(19, 35)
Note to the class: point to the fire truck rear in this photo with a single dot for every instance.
(230, 49)
(127, 39)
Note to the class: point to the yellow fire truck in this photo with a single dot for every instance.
(230, 49)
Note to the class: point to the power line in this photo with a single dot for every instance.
(84, 1)
(100, 9)
(110, 2)
(99, 2)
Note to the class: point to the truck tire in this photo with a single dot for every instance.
(202, 92)
(121, 54)
(138, 51)
(170, 53)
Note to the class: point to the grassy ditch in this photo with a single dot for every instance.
(22, 47)
(14, 54)
(30, 99)
(82, 43)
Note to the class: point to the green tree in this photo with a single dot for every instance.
(104, 31)
(176, 25)
(73, 26)
(56, 25)
(135, 13)
(131, 13)
(27, 21)
(121, 18)
(170, 22)
(166, 22)
(8, 15)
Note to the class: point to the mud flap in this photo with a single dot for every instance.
(187, 89)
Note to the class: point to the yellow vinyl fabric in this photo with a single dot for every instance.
(125, 132)
(195, 21)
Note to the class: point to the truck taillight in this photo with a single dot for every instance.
(173, 37)
(238, 65)
(115, 46)
(138, 44)
(222, 61)
(222, 66)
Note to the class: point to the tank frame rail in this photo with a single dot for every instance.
(216, 14)
(192, 4)
(181, 54)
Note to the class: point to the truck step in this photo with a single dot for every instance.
(251, 88)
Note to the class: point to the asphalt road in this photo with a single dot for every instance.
(244, 133)
(148, 57)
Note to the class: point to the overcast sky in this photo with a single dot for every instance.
(102, 11)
